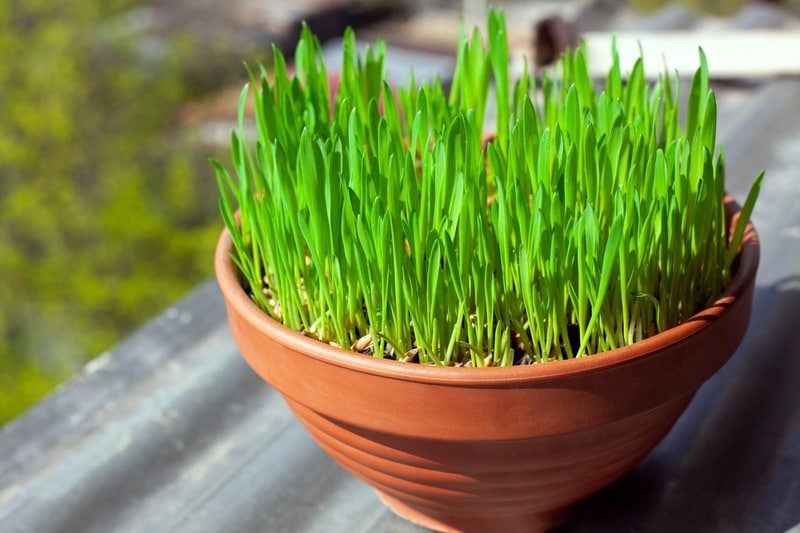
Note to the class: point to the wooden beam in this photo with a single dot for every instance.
(732, 54)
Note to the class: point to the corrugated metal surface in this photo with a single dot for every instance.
(172, 432)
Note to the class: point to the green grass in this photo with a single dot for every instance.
(590, 220)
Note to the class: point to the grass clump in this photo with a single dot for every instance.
(379, 218)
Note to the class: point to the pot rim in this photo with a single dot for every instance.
(236, 297)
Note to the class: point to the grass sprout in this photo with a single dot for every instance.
(379, 218)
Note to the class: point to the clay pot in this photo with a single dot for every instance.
(494, 448)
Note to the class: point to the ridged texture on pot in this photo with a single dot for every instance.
(478, 449)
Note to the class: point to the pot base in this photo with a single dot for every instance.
(429, 519)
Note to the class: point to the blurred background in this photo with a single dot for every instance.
(109, 110)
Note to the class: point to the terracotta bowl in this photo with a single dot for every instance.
(462, 449)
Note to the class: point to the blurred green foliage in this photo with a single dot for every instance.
(718, 7)
(714, 7)
(106, 213)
